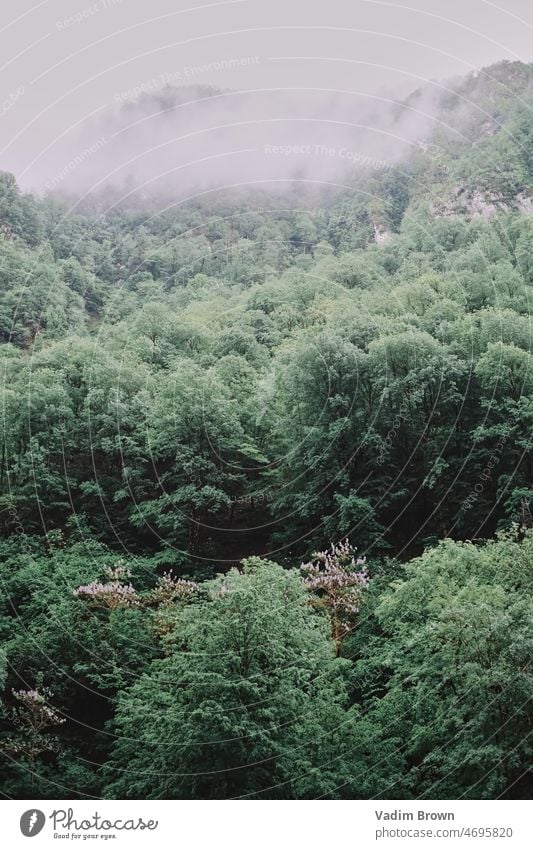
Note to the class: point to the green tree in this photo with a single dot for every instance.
(249, 700)
(450, 663)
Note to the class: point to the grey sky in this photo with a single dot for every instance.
(64, 62)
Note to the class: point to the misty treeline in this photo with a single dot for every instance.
(249, 384)
(246, 443)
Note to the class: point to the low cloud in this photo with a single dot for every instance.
(181, 141)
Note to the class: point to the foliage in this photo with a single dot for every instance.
(186, 392)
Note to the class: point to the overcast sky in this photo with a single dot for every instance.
(64, 62)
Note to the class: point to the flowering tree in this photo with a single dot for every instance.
(34, 710)
(169, 589)
(31, 716)
(337, 580)
(115, 592)
(164, 596)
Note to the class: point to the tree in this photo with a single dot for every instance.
(450, 661)
(338, 580)
(248, 701)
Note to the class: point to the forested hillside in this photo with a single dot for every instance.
(196, 399)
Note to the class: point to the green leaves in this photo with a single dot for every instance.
(243, 705)
(455, 641)
(228, 378)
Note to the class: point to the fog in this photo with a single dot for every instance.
(185, 141)
(185, 98)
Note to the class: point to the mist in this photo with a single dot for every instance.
(181, 99)
(188, 140)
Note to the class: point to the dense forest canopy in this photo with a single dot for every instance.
(198, 399)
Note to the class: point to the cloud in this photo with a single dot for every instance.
(181, 141)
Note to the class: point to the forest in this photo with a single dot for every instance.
(266, 480)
